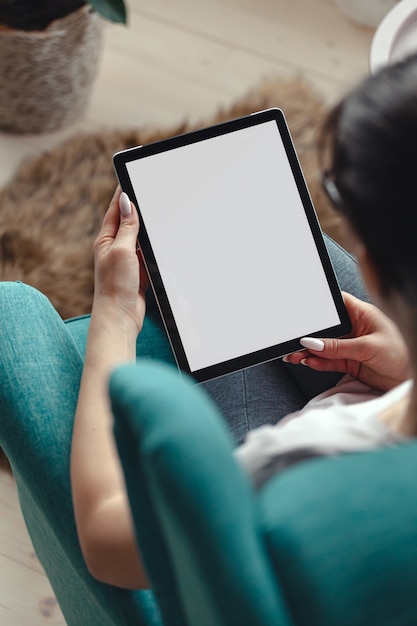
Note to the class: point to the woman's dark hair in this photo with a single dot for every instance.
(370, 141)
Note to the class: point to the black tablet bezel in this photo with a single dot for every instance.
(120, 161)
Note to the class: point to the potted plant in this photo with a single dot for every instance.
(49, 51)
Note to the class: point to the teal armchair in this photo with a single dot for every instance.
(330, 542)
(327, 543)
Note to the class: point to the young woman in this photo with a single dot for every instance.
(369, 146)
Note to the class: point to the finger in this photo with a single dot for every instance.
(143, 273)
(311, 343)
(326, 365)
(295, 357)
(314, 346)
(330, 348)
(111, 220)
(128, 222)
(304, 357)
(323, 355)
(125, 205)
(356, 349)
(322, 348)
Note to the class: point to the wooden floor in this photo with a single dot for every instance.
(177, 60)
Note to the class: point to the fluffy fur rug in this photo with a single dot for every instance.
(51, 211)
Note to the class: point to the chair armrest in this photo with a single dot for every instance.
(193, 508)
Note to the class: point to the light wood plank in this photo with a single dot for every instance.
(213, 73)
(26, 597)
(307, 35)
(13, 529)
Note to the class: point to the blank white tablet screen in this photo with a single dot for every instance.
(233, 245)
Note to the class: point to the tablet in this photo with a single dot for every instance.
(232, 244)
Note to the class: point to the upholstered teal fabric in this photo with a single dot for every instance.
(327, 543)
(343, 537)
(341, 534)
(152, 342)
(38, 353)
(195, 511)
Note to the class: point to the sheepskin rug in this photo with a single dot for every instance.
(51, 211)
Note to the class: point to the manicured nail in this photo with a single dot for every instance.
(124, 205)
(285, 359)
(312, 344)
(304, 362)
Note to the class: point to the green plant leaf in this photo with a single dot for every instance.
(113, 10)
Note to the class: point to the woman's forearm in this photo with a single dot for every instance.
(101, 506)
(100, 503)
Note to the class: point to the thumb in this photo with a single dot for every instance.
(125, 205)
(128, 228)
(334, 348)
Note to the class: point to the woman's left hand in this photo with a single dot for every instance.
(374, 353)
(120, 277)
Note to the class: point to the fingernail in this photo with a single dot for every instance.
(124, 205)
(285, 359)
(312, 344)
(304, 362)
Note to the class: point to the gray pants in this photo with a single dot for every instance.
(266, 393)
(247, 399)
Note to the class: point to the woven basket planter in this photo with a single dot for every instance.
(46, 76)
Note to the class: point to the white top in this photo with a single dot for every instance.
(342, 419)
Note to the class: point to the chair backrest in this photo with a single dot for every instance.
(195, 513)
(342, 534)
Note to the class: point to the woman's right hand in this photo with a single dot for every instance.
(374, 353)
(120, 277)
